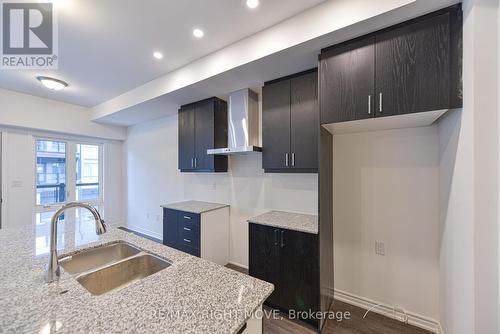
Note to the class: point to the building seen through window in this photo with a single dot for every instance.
(50, 172)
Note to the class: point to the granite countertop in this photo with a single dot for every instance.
(194, 206)
(191, 296)
(288, 220)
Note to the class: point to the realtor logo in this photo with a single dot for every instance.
(29, 35)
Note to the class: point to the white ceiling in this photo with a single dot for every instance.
(105, 47)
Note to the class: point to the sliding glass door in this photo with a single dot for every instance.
(66, 171)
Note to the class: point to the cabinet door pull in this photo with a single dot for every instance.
(286, 159)
(293, 159)
(380, 102)
(276, 237)
(369, 104)
(192, 162)
(282, 242)
(187, 229)
(187, 240)
(195, 162)
(187, 217)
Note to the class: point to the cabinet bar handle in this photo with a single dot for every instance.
(187, 217)
(276, 237)
(192, 162)
(286, 159)
(369, 104)
(187, 229)
(187, 240)
(282, 242)
(380, 102)
(195, 162)
(293, 159)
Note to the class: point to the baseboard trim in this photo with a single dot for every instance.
(238, 265)
(144, 231)
(386, 310)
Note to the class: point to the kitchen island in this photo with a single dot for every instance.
(192, 295)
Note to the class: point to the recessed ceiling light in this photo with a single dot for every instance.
(52, 83)
(198, 33)
(252, 4)
(158, 55)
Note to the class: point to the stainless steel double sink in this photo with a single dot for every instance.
(112, 266)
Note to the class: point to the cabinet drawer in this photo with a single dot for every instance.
(191, 234)
(189, 242)
(191, 220)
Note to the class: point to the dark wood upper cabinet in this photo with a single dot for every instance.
(276, 125)
(412, 67)
(304, 121)
(347, 85)
(186, 137)
(204, 134)
(202, 126)
(290, 124)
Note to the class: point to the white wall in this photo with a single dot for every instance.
(153, 179)
(469, 180)
(386, 189)
(18, 176)
(32, 112)
(456, 233)
(483, 16)
(22, 117)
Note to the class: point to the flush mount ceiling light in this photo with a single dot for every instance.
(158, 55)
(52, 83)
(198, 33)
(252, 4)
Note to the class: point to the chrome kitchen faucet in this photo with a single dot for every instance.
(53, 271)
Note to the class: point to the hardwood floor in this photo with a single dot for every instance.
(356, 324)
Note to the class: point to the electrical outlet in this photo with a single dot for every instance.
(379, 248)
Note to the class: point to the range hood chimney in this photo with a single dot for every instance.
(243, 124)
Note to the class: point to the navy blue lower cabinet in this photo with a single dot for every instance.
(205, 234)
(181, 230)
(289, 260)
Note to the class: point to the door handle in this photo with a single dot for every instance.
(187, 217)
(192, 162)
(195, 162)
(276, 237)
(187, 240)
(293, 159)
(369, 104)
(380, 102)
(187, 229)
(282, 242)
(286, 159)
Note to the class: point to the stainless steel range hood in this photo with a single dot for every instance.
(243, 124)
